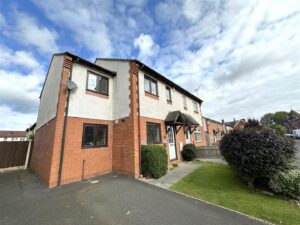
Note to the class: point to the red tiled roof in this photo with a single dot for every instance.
(10, 133)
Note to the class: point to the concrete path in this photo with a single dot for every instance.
(219, 161)
(173, 175)
(113, 200)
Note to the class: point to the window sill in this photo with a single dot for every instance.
(151, 95)
(93, 147)
(94, 93)
(169, 102)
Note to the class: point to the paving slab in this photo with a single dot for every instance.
(173, 176)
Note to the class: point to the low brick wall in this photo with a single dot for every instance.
(210, 152)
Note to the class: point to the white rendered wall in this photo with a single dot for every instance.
(159, 109)
(49, 97)
(84, 105)
(121, 101)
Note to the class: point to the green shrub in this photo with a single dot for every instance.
(281, 130)
(189, 152)
(286, 183)
(257, 153)
(154, 161)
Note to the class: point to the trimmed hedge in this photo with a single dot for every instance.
(256, 154)
(189, 152)
(154, 161)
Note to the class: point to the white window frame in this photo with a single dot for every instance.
(195, 105)
(197, 131)
(168, 94)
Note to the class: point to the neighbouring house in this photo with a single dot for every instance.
(235, 124)
(94, 117)
(30, 131)
(214, 130)
(293, 121)
(8, 135)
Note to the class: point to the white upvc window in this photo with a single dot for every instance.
(198, 136)
(168, 94)
(150, 85)
(195, 105)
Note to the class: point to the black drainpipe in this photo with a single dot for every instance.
(64, 132)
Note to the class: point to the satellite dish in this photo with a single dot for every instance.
(71, 85)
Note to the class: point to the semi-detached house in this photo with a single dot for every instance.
(94, 117)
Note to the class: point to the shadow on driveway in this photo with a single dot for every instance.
(113, 200)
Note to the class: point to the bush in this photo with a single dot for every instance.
(257, 153)
(154, 161)
(286, 183)
(281, 130)
(189, 152)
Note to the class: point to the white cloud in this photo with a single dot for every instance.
(243, 55)
(9, 58)
(28, 32)
(192, 9)
(86, 20)
(147, 47)
(21, 78)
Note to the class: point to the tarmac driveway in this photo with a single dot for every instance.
(113, 200)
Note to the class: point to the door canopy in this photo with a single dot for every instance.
(178, 119)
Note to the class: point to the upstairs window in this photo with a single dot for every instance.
(168, 94)
(184, 101)
(94, 135)
(97, 83)
(153, 133)
(150, 85)
(195, 105)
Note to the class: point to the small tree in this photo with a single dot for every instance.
(257, 153)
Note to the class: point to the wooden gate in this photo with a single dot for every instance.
(13, 153)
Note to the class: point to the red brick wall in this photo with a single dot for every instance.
(214, 126)
(41, 157)
(54, 133)
(97, 160)
(126, 151)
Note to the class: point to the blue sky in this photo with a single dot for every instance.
(242, 55)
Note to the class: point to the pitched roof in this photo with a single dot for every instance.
(211, 120)
(147, 69)
(234, 123)
(11, 133)
(179, 118)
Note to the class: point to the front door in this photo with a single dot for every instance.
(187, 136)
(171, 140)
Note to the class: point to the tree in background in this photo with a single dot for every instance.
(276, 121)
(267, 119)
(252, 123)
(280, 117)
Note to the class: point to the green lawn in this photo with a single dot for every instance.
(220, 185)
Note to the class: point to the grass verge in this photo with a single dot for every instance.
(219, 184)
